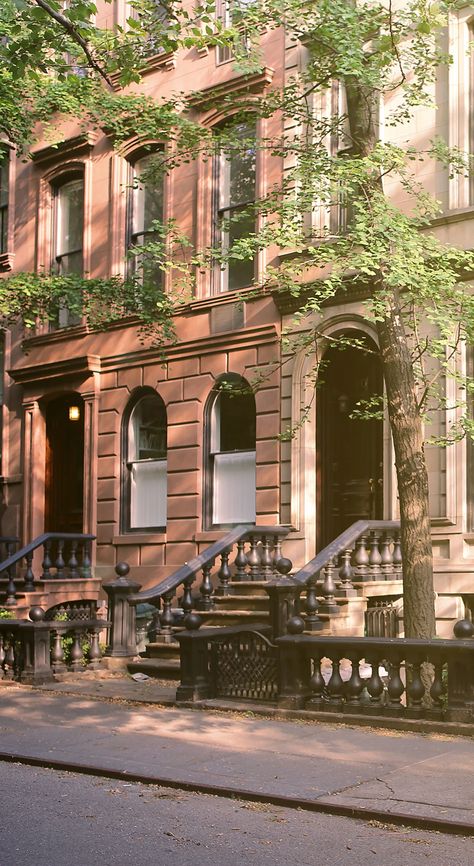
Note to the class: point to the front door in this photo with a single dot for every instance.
(64, 464)
(349, 450)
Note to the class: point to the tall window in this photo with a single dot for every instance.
(146, 207)
(145, 465)
(4, 195)
(232, 14)
(232, 420)
(68, 231)
(235, 195)
(154, 18)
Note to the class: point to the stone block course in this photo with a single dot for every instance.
(184, 412)
(181, 435)
(183, 459)
(182, 369)
(131, 378)
(107, 445)
(108, 467)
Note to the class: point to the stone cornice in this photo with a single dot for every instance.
(81, 366)
(238, 84)
(69, 148)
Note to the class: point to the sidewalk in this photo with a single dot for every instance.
(390, 776)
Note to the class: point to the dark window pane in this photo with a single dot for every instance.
(237, 422)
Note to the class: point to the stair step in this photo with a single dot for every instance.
(248, 587)
(161, 650)
(234, 617)
(241, 602)
(164, 669)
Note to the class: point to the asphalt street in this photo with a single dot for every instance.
(52, 818)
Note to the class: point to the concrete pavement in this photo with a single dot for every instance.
(402, 777)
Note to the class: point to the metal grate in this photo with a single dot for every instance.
(245, 666)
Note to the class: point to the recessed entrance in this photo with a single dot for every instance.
(349, 450)
(64, 493)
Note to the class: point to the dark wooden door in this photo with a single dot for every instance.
(349, 450)
(64, 465)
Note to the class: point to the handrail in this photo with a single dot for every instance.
(37, 542)
(170, 583)
(343, 541)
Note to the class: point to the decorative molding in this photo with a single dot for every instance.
(69, 148)
(85, 365)
(226, 341)
(240, 84)
(163, 60)
(6, 261)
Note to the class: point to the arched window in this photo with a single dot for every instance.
(145, 467)
(67, 236)
(231, 435)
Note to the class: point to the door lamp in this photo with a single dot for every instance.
(74, 413)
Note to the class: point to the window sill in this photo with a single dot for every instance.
(139, 537)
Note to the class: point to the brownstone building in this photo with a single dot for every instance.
(104, 435)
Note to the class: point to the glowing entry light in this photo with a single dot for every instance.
(74, 413)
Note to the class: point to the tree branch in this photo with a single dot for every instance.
(77, 38)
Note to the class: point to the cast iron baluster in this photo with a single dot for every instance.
(253, 558)
(266, 558)
(328, 589)
(224, 574)
(95, 654)
(345, 571)
(86, 560)
(415, 689)
(166, 618)
(11, 587)
(10, 659)
(312, 620)
(187, 599)
(375, 686)
(60, 560)
(361, 558)
(46, 565)
(386, 558)
(77, 655)
(395, 689)
(353, 687)
(2, 657)
(317, 686)
(375, 558)
(241, 561)
(72, 564)
(335, 686)
(397, 555)
(29, 576)
(206, 587)
(57, 653)
(437, 690)
(276, 552)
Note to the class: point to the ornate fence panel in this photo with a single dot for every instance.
(244, 665)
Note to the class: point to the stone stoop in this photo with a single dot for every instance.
(49, 593)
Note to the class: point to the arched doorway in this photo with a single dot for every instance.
(64, 488)
(349, 450)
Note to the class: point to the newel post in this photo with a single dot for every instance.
(122, 637)
(195, 682)
(283, 593)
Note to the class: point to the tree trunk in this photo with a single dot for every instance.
(405, 420)
(412, 476)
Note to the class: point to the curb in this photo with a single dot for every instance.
(441, 825)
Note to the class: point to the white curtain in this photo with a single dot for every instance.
(234, 487)
(148, 493)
